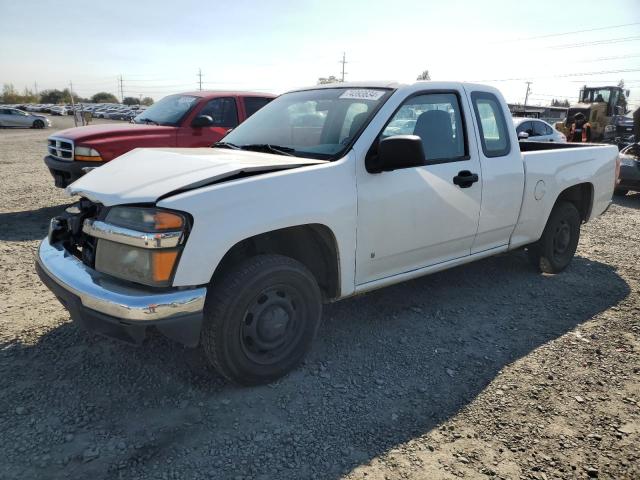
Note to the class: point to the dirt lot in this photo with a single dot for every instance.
(485, 371)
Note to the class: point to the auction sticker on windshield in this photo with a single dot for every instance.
(362, 94)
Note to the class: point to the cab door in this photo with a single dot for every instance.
(415, 217)
(224, 114)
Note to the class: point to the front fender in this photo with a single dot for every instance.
(229, 212)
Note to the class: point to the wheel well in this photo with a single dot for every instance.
(581, 196)
(313, 245)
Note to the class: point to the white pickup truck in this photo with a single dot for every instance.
(325, 193)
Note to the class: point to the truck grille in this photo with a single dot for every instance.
(60, 148)
(624, 130)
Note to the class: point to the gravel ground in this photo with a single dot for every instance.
(484, 371)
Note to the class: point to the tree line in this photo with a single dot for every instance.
(12, 96)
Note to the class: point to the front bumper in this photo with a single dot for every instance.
(66, 172)
(106, 306)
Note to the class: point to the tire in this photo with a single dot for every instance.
(620, 192)
(260, 319)
(38, 124)
(557, 246)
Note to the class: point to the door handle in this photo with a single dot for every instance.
(465, 179)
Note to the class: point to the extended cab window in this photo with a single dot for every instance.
(494, 135)
(223, 111)
(437, 120)
(253, 104)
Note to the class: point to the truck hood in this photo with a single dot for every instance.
(144, 175)
(93, 132)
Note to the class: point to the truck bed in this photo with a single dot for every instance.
(554, 167)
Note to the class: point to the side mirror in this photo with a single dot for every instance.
(202, 121)
(398, 151)
(523, 135)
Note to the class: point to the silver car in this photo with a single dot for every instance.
(12, 117)
(534, 130)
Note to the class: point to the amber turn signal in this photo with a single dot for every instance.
(168, 220)
(163, 262)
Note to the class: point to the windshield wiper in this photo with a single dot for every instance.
(267, 147)
(148, 121)
(232, 146)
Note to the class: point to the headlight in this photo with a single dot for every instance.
(87, 154)
(140, 265)
(141, 245)
(145, 219)
(609, 128)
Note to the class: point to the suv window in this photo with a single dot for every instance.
(437, 119)
(540, 129)
(494, 135)
(253, 104)
(223, 111)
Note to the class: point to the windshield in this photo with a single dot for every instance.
(168, 111)
(313, 123)
(590, 95)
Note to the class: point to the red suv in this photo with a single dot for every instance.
(193, 119)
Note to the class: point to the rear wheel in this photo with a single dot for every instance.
(620, 192)
(261, 319)
(557, 246)
(38, 124)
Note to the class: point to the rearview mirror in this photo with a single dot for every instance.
(523, 135)
(202, 121)
(396, 152)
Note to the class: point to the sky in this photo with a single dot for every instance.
(158, 47)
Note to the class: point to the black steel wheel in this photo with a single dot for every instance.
(38, 124)
(261, 318)
(557, 246)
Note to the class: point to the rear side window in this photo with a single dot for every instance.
(223, 112)
(541, 129)
(253, 104)
(494, 135)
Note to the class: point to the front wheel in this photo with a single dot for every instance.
(38, 124)
(557, 246)
(261, 318)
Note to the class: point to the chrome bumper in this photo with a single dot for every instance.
(106, 295)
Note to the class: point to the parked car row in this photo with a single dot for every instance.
(97, 110)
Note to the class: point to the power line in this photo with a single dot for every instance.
(569, 33)
(596, 42)
(564, 75)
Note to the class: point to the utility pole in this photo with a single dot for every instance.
(121, 89)
(200, 79)
(35, 85)
(526, 97)
(343, 62)
(73, 105)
